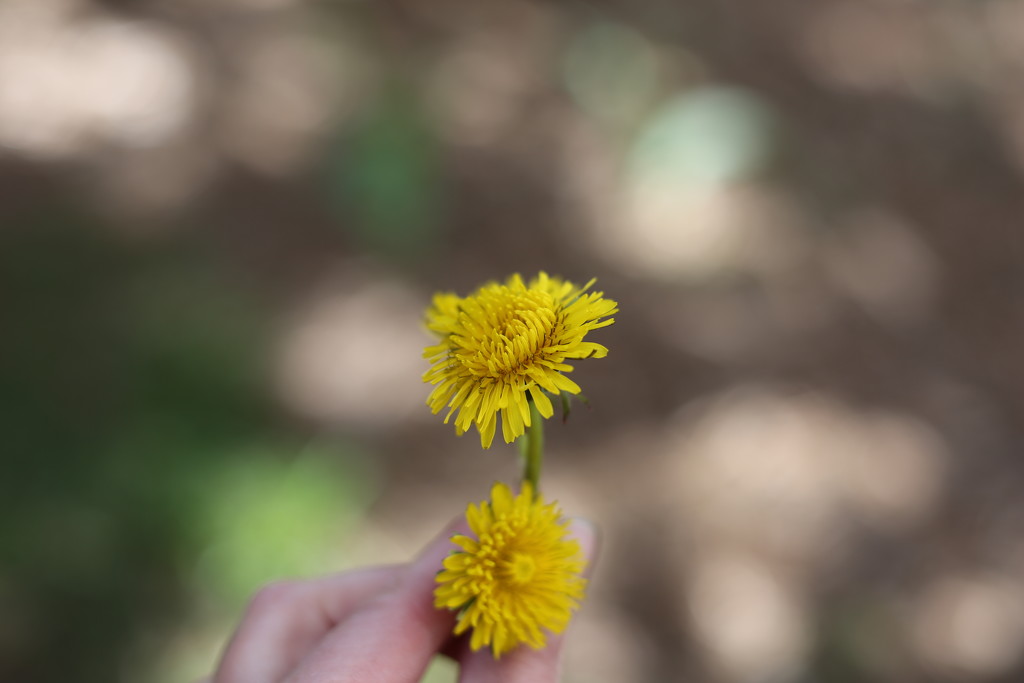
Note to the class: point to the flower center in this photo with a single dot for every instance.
(521, 568)
(510, 329)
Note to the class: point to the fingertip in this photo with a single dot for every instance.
(588, 535)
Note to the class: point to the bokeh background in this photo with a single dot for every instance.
(220, 221)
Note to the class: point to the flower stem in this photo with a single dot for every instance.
(533, 453)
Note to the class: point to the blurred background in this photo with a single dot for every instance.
(221, 220)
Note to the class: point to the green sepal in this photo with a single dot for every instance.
(462, 610)
(566, 400)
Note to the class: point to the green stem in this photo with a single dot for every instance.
(533, 454)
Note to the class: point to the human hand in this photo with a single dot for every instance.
(374, 625)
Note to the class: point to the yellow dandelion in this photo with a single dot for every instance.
(506, 342)
(519, 576)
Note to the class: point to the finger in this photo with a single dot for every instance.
(393, 638)
(524, 664)
(285, 620)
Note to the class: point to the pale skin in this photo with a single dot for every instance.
(375, 625)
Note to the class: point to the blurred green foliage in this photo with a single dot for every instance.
(385, 174)
(143, 464)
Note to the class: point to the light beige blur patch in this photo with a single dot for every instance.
(891, 471)
(872, 47)
(70, 84)
(969, 624)
(753, 625)
(878, 260)
(701, 233)
(480, 87)
(766, 490)
(679, 201)
(1002, 22)
(663, 229)
(353, 354)
(788, 473)
(292, 90)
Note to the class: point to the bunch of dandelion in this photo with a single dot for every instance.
(501, 352)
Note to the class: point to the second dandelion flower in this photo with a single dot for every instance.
(505, 345)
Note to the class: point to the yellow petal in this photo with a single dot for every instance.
(541, 400)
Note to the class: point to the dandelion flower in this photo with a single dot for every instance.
(508, 341)
(516, 577)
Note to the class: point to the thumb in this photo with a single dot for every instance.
(524, 664)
